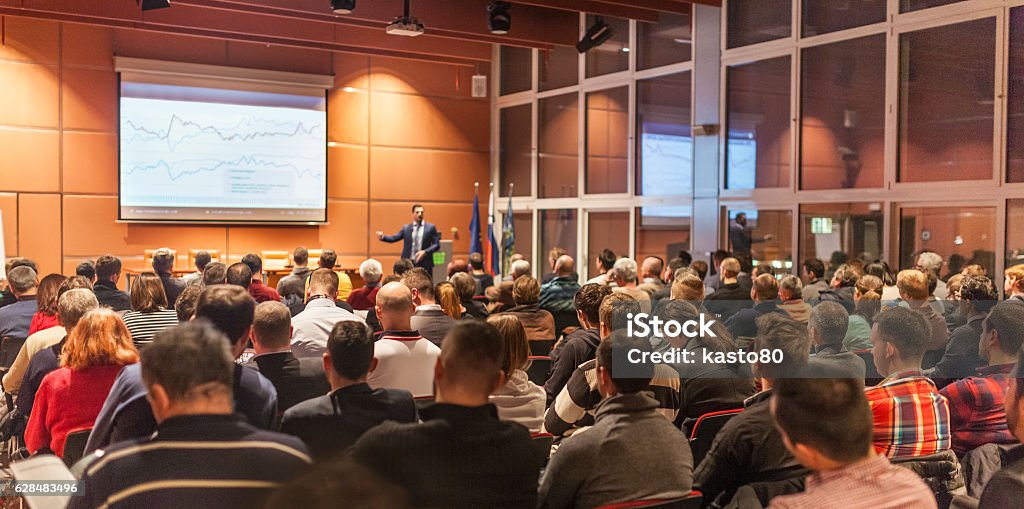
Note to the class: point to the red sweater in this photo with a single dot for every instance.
(363, 298)
(42, 321)
(68, 400)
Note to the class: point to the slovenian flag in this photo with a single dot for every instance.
(493, 262)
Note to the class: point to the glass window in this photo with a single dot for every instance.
(824, 16)
(765, 235)
(516, 69)
(855, 229)
(613, 55)
(606, 230)
(523, 224)
(668, 41)
(947, 102)
(558, 67)
(754, 21)
(607, 141)
(515, 163)
(558, 165)
(662, 230)
(1014, 232)
(967, 232)
(557, 229)
(1015, 105)
(664, 144)
(917, 5)
(758, 152)
(842, 124)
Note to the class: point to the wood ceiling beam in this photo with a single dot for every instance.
(651, 5)
(594, 7)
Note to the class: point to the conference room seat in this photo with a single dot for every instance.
(314, 256)
(274, 260)
(540, 369)
(214, 255)
(147, 258)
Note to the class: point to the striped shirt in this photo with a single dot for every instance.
(193, 461)
(143, 326)
(868, 484)
(575, 404)
(976, 412)
(911, 418)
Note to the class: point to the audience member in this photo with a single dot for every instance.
(202, 455)
(149, 313)
(16, 318)
(163, 266)
(484, 280)
(650, 275)
(6, 292)
(462, 455)
(456, 266)
(913, 288)
(826, 425)
(976, 297)
(630, 453)
(826, 328)
(1004, 488)
(405, 360)
(239, 274)
(34, 343)
(215, 273)
(911, 418)
(519, 400)
(714, 281)
(930, 261)
(259, 291)
(364, 298)
(429, 320)
(813, 275)
(749, 448)
(401, 265)
(87, 270)
(108, 273)
(764, 292)
(300, 270)
(186, 305)
(602, 264)
(314, 324)
(125, 414)
(330, 423)
(730, 297)
(867, 295)
(791, 299)
(46, 303)
(580, 345)
(328, 482)
(328, 259)
(841, 287)
(951, 306)
(293, 295)
(70, 398)
(295, 380)
(976, 404)
(201, 260)
(688, 287)
(466, 288)
(556, 296)
(517, 269)
(623, 278)
(449, 300)
(539, 323)
(553, 256)
(42, 351)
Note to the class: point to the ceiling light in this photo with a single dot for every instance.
(625, 50)
(343, 6)
(148, 5)
(499, 21)
(596, 35)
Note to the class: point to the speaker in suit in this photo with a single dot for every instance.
(417, 236)
(296, 380)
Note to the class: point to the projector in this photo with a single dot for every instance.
(407, 26)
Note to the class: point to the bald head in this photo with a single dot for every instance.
(395, 306)
(565, 265)
(652, 267)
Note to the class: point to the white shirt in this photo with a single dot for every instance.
(34, 344)
(312, 327)
(404, 361)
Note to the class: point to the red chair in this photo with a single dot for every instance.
(540, 368)
(543, 441)
(691, 501)
(704, 430)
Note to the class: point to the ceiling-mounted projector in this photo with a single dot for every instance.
(405, 25)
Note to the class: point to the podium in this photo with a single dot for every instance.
(441, 259)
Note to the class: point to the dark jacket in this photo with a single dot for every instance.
(1004, 489)
(842, 295)
(432, 324)
(834, 361)
(42, 363)
(108, 295)
(710, 387)
(727, 300)
(556, 296)
(331, 423)
(474, 309)
(172, 288)
(961, 358)
(430, 242)
(579, 346)
(296, 380)
(744, 322)
(748, 449)
(458, 457)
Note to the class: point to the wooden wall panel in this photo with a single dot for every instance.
(30, 95)
(347, 232)
(30, 40)
(421, 78)
(90, 99)
(9, 209)
(278, 58)
(87, 45)
(348, 171)
(348, 117)
(38, 219)
(439, 175)
(400, 120)
(180, 48)
(90, 163)
(29, 160)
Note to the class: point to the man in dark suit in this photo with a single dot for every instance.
(163, 265)
(296, 380)
(328, 424)
(764, 291)
(420, 240)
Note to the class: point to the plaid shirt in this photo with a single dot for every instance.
(976, 413)
(911, 418)
(857, 486)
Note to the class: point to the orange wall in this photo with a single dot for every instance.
(408, 132)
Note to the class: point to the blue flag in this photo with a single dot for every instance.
(508, 237)
(474, 228)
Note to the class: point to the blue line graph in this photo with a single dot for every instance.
(205, 154)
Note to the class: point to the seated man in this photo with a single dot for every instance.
(977, 297)
(764, 291)
(296, 380)
(911, 418)
(465, 286)
(581, 345)
(730, 297)
(300, 269)
(556, 295)
(201, 259)
(405, 360)
(126, 415)
(913, 288)
(461, 455)
(826, 327)
(163, 265)
(328, 258)
(259, 290)
(1004, 489)
(791, 300)
(611, 462)
(202, 454)
(976, 411)
(108, 272)
(624, 277)
(749, 448)
(364, 298)
(330, 423)
(315, 322)
(539, 323)
(826, 424)
(16, 318)
(428, 319)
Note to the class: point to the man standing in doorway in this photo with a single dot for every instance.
(420, 240)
